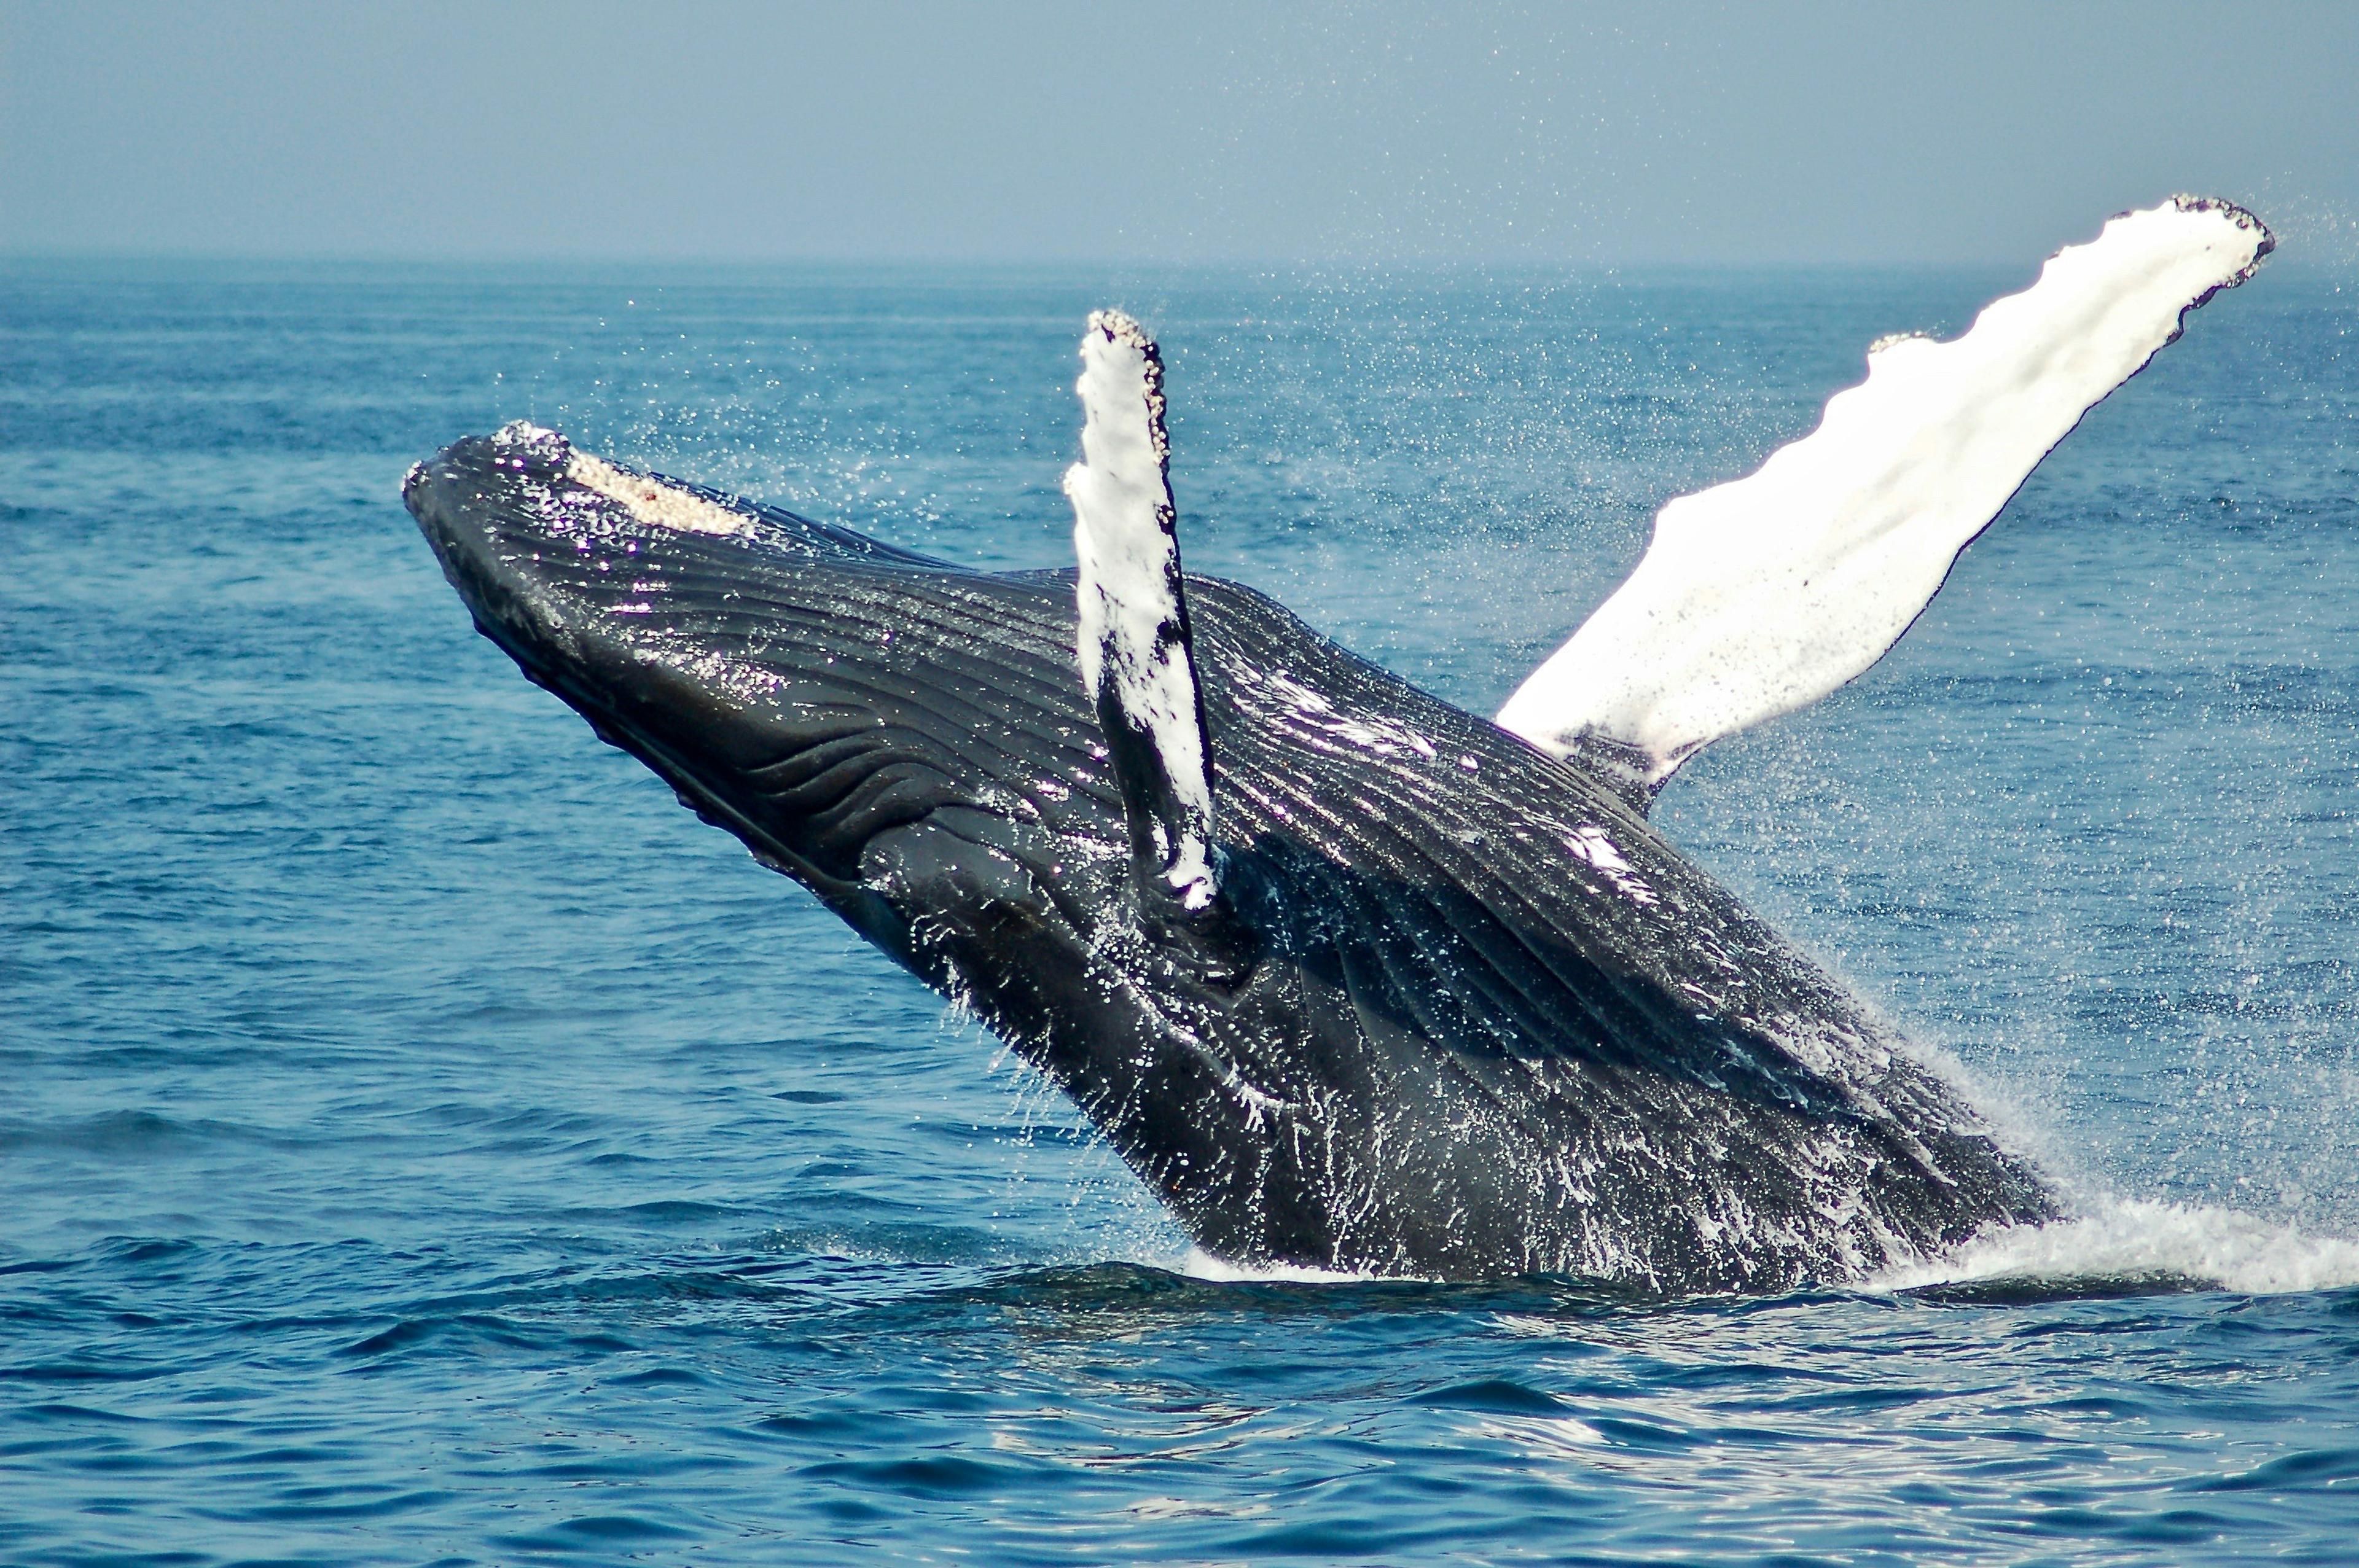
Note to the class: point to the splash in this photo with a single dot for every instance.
(1200, 1264)
(2137, 1239)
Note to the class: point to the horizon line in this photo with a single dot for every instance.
(1002, 264)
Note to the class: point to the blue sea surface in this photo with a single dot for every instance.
(422, 1142)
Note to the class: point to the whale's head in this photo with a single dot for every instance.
(907, 739)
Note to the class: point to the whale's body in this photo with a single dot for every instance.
(1467, 1012)
(1354, 980)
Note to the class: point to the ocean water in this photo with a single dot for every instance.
(422, 1142)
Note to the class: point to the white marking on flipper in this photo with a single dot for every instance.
(1760, 595)
(1133, 617)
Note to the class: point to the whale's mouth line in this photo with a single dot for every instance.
(615, 729)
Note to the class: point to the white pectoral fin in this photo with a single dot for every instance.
(1760, 595)
(1137, 661)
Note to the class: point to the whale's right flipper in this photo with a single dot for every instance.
(1761, 596)
(1137, 659)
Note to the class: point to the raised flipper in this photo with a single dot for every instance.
(1137, 663)
(1760, 595)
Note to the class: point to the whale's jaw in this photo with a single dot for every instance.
(1463, 1015)
(630, 599)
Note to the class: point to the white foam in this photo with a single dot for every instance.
(1128, 593)
(1200, 1264)
(2133, 1239)
(1762, 595)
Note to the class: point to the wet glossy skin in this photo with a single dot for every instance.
(1461, 1012)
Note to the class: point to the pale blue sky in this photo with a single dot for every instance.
(1205, 132)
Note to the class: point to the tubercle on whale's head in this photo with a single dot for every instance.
(530, 448)
(618, 588)
(575, 573)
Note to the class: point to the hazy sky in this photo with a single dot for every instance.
(1179, 133)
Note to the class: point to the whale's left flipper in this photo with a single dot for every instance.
(1761, 596)
(1138, 660)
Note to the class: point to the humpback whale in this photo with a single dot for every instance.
(1352, 979)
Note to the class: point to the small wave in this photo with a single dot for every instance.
(2130, 1239)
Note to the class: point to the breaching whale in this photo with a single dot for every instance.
(1354, 980)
